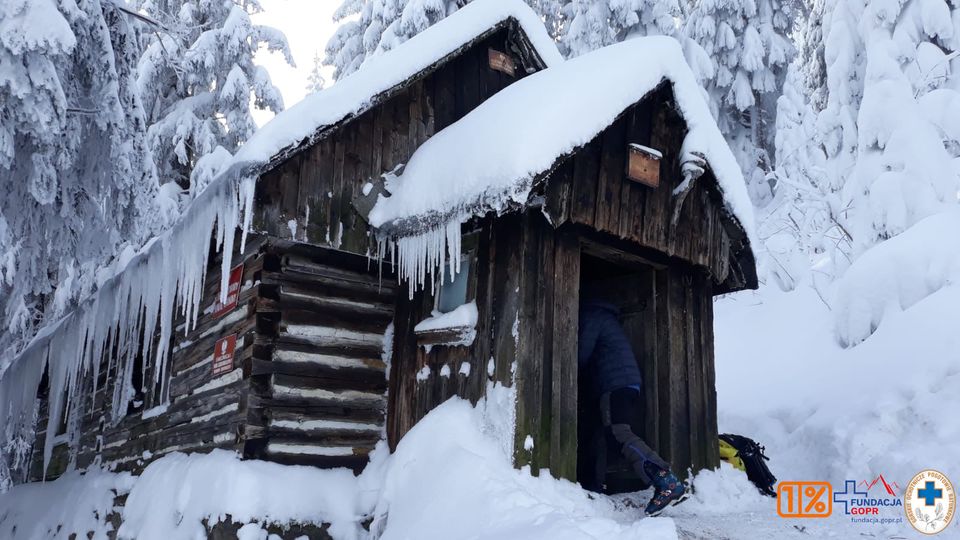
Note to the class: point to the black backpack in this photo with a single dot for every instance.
(754, 462)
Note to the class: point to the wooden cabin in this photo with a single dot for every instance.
(316, 355)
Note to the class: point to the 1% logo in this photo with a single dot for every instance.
(804, 499)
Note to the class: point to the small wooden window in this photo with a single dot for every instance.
(643, 165)
(455, 291)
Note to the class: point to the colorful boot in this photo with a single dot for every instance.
(668, 491)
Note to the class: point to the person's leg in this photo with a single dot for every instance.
(619, 409)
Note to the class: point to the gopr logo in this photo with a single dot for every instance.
(930, 501)
(862, 503)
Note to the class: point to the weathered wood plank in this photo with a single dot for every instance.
(563, 434)
(610, 177)
(584, 193)
(709, 370)
(695, 376)
(507, 254)
(678, 411)
(534, 358)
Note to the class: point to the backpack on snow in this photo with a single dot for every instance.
(745, 454)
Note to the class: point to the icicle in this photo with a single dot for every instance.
(420, 258)
(164, 278)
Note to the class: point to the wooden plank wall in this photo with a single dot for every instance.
(685, 406)
(591, 188)
(546, 371)
(318, 372)
(203, 412)
(527, 294)
(413, 396)
(526, 289)
(315, 187)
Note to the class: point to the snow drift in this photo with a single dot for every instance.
(896, 274)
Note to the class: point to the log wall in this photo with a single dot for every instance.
(204, 412)
(308, 380)
(319, 366)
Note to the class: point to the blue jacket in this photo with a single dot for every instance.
(603, 348)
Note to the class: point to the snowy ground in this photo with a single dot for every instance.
(823, 412)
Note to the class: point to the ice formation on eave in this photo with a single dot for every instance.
(357, 92)
(139, 299)
(489, 159)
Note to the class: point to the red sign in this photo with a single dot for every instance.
(223, 355)
(233, 292)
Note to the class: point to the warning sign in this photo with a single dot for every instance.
(223, 355)
(233, 292)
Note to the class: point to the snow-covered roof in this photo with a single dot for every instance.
(382, 73)
(492, 156)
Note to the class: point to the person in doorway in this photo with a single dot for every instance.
(605, 352)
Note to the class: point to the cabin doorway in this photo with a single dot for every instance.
(628, 284)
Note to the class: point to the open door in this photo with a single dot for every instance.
(629, 286)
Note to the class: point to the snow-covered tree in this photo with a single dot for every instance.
(380, 25)
(868, 147)
(597, 23)
(315, 79)
(199, 82)
(876, 144)
(76, 171)
(749, 44)
(906, 153)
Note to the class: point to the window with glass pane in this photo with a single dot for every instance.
(453, 290)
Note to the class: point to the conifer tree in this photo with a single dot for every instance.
(315, 79)
(197, 78)
(597, 23)
(76, 171)
(380, 25)
(749, 44)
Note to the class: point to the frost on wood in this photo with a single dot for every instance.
(140, 300)
(464, 316)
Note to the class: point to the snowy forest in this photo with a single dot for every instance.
(843, 116)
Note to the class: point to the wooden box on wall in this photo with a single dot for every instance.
(643, 165)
